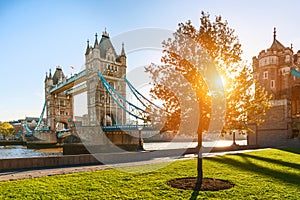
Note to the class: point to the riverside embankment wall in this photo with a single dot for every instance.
(42, 162)
(98, 158)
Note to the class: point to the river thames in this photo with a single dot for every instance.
(22, 152)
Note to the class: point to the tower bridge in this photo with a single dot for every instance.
(103, 80)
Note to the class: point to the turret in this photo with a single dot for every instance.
(122, 57)
(88, 48)
(46, 77)
(105, 34)
(95, 49)
(48, 80)
(58, 76)
(276, 45)
(96, 44)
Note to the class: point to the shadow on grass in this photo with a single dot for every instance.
(194, 195)
(249, 165)
(274, 161)
(291, 150)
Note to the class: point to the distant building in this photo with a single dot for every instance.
(30, 121)
(17, 124)
(271, 68)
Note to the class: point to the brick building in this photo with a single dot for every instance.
(271, 68)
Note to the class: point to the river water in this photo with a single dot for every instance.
(23, 152)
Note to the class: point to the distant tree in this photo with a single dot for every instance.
(6, 129)
(246, 101)
(220, 49)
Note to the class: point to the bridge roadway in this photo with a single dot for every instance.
(69, 82)
(137, 159)
(76, 84)
(128, 128)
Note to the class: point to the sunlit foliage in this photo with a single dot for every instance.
(220, 48)
(6, 129)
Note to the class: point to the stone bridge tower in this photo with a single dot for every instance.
(102, 56)
(59, 105)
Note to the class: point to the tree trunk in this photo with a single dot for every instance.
(199, 162)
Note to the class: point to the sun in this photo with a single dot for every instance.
(222, 81)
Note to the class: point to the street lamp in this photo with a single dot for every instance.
(233, 138)
(140, 145)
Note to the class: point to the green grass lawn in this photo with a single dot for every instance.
(266, 174)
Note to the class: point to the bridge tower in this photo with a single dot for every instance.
(102, 56)
(59, 111)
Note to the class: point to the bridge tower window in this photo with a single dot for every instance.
(112, 84)
(61, 102)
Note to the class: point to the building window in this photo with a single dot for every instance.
(287, 58)
(62, 103)
(265, 75)
(111, 84)
(261, 63)
(272, 83)
(273, 60)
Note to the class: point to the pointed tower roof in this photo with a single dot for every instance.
(276, 45)
(105, 34)
(87, 47)
(106, 44)
(96, 44)
(123, 50)
(50, 74)
(46, 78)
(58, 75)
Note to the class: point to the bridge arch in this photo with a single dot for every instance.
(61, 125)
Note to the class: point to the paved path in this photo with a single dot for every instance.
(34, 173)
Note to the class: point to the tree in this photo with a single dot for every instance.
(202, 57)
(246, 102)
(6, 129)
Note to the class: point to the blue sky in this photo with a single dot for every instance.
(38, 35)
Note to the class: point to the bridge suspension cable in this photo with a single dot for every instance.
(141, 98)
(124, 104)
(38, 126)
(295, 72)
(40, 119)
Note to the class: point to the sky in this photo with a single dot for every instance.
(36, 36)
